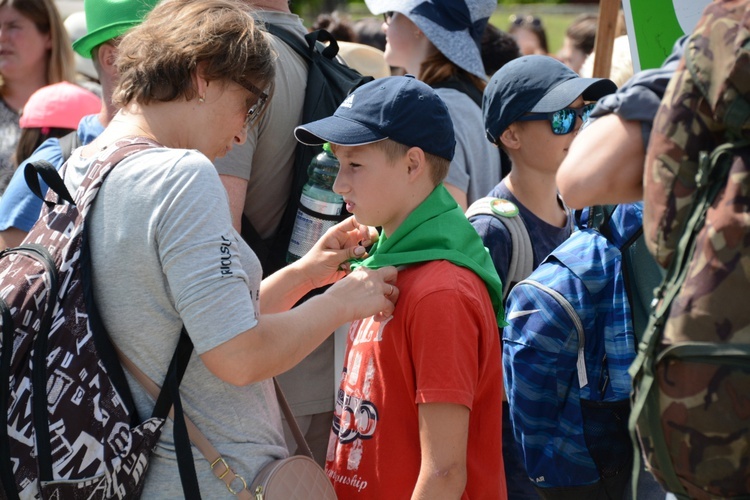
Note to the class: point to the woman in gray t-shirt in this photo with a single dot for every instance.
(164, 253)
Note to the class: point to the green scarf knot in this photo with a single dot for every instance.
(438, 230)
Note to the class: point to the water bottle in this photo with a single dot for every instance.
(319, 207)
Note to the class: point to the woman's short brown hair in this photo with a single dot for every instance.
(158, 59)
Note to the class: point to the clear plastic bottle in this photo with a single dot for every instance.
(319, 207)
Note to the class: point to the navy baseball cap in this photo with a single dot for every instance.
(400, 108)
(535, 84)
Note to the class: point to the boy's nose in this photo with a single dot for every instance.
(339, 186)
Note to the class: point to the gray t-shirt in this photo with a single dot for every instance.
(475, 168)
(164, 253)
(265, 160)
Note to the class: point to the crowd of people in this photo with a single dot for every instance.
(467, 131)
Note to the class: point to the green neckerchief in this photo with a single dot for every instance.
(438, 230)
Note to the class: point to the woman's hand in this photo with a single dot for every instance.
(367, 292)
(328, 260)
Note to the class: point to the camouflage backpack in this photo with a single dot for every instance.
(68, 425)
(691, 400)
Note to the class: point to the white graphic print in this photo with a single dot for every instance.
(356, 416)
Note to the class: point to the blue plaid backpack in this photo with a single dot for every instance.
(566, 353)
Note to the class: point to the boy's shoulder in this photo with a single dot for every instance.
(438, 276)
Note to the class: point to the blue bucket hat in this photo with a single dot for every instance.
(535, 84)
(400, 108)
(454, 27)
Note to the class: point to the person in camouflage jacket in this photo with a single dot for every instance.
(702, 375)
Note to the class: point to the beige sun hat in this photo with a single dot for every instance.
(75, 25)
(366, 59)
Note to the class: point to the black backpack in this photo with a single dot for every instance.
(329, 81)
(68, 424)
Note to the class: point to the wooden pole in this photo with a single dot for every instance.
(605, 37)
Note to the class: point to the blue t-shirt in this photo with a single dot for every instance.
(544, 236)
(19, 207)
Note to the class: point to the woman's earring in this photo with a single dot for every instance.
(201, 99)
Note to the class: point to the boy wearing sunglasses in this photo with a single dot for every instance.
(533, 108)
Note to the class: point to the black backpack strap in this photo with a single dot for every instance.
(324, 65)
(312, 38)
(462, 83)
(7, 479)
(68, 143)
(260, 247)
(51, 176)
(170, 397)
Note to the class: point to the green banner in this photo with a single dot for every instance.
(654, 25)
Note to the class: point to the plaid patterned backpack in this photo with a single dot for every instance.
(68, 425)
(566, 352)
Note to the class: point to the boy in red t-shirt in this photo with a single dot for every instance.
(418, 412)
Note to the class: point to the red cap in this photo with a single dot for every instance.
(60, 105)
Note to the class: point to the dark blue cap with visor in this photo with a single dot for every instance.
(400, 108)
(535, 84)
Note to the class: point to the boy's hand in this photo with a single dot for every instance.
(328, 260)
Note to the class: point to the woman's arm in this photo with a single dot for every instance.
(280, 341)
(326, 263)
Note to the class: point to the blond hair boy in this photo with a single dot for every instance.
(418, 409)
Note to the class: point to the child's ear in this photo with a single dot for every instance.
(106, 55)
(416, 163)
(510, 137)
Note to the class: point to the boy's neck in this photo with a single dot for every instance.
(420, 194)
(537, 191)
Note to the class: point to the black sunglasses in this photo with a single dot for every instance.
(526, 21)
(387, 16)
(562, 121)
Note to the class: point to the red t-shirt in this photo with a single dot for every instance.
(440, 346)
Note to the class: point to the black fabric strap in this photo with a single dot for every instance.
(170, 396)
(68, 143)
(51, 176)
(261, 247)
(39, 367)
(462, 83)
(99, 332)
(330, 51)
(7, 478)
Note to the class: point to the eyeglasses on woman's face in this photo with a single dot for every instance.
(254, 111)
(562, 121)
